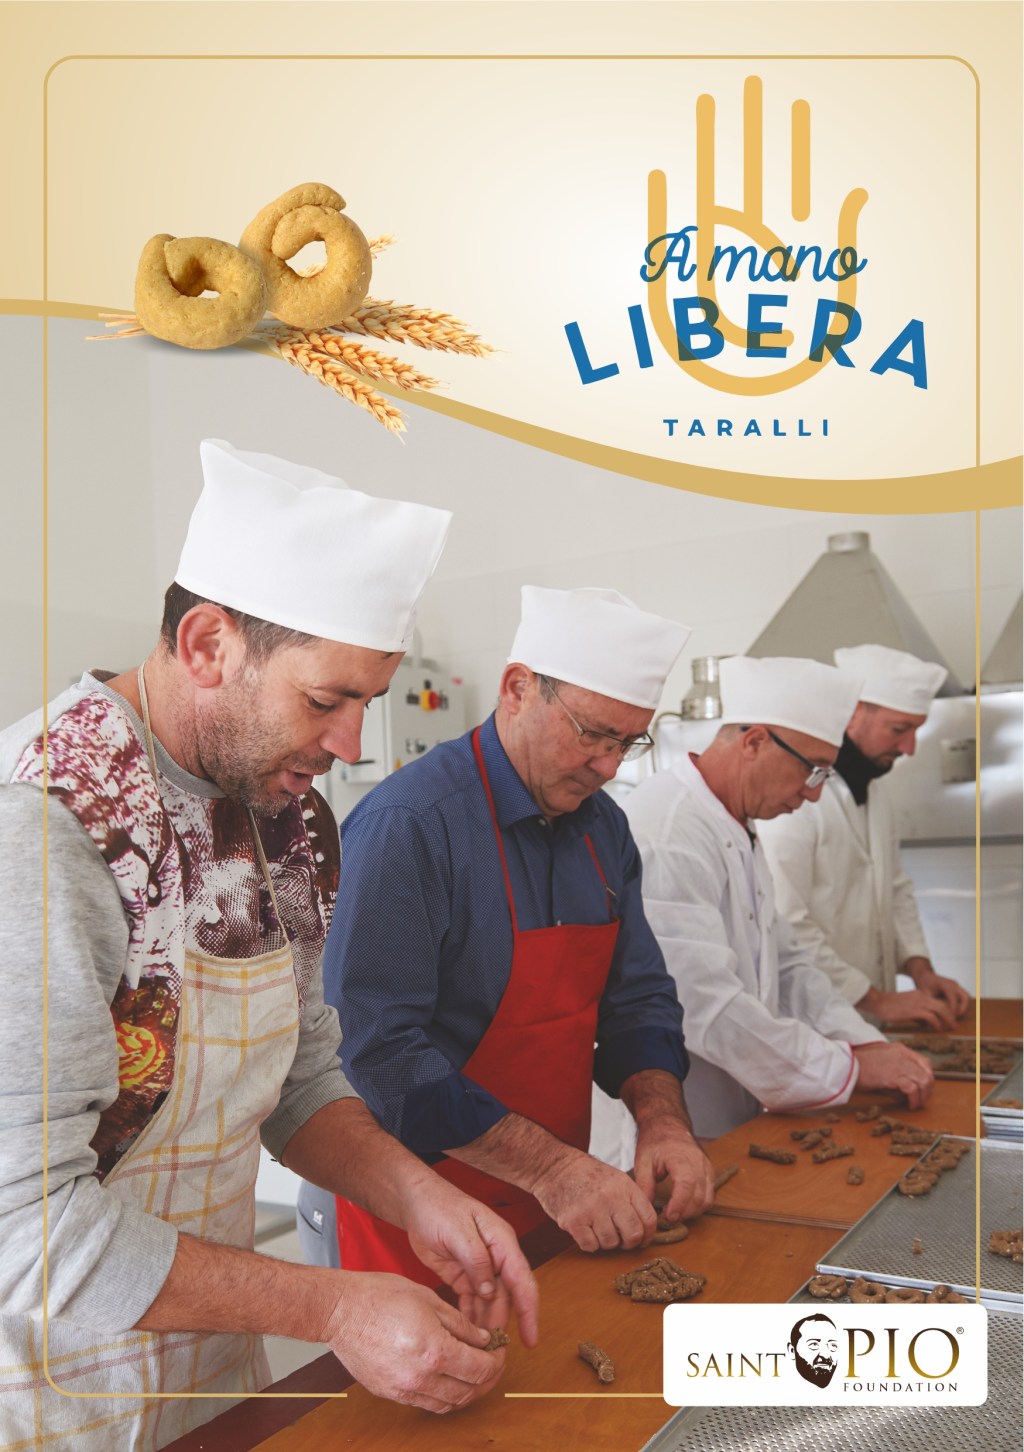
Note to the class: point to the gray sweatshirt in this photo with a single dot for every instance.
(107, 1259)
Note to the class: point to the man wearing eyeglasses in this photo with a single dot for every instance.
(765, 1028)
(490, 932)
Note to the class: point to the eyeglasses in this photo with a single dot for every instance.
(602, 743)
(819, 775)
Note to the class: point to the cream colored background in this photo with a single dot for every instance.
(518, 187)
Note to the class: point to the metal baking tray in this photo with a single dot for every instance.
(803, 1297)
(879, 1246)
(994, 1426)
(969, 1075)
(1000, 1121)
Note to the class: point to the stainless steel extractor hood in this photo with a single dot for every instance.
(848, 598)
(1003, 667)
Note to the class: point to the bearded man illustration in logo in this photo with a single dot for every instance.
(814, 1347)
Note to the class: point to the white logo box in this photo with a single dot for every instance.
(844, 1355)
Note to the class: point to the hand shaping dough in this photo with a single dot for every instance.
(309, 213)
(173, 271)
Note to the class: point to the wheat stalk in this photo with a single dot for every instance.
(423, 327)
(333, 375)
(360, 359)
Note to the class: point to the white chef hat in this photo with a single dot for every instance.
(291, 545)
(803, 695)
(599, 640)
(893, 678)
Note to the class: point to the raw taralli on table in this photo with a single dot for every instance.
(598, 1359)
(855, 1175)
(661, 1281)
(668, 1233)
(724, 1176)
(774, 1156)
(174, 271)
(831, 1152)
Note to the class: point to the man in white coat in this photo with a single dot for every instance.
(837, 871)
(765, 1028)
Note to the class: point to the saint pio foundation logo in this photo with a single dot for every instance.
(789, 1355)
(782, 257)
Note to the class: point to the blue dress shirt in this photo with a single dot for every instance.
(419, 953)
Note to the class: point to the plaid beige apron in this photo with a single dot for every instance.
(194, 1165)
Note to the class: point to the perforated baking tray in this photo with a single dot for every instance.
(881, 1245)
(1002, 1121)
(920, 1044)
(994, 1426)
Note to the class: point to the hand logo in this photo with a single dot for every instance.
(750, 223)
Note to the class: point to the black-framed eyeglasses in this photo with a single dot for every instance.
(819, 775)
(603, 743)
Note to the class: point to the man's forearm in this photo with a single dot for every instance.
(342, 1148)
(218, 1288)
(516, 1150)
(654, 1094)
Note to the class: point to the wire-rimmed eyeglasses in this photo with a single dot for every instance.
(602, 743)
(819, 775)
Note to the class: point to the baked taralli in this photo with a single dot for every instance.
(174, 271)
(309, 213)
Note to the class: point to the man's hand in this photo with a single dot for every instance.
(402, 1342)
(399, 1339)
(666, 1150)
(665, 1146)
(926, 978)
(914, 1006)
(473, 1250)
(601, 1208)
(894, 1066)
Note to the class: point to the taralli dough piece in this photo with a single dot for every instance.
(903, 1296)
(855, 1175)
(724, 1176)
(776, 1157)
(827, 1288)
(598, 1359)
(863, 1115)
(831, 1152)
(1006, 1242)
(864, 1292)
(309, 213)
(173, 271)
(661, 1281)
(944, 1296)
(668, 1233)
(916, 1182)
(497, 1339)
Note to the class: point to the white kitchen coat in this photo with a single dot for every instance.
(764, 1028)
(839, 882)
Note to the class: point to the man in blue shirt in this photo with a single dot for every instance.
(490, 931)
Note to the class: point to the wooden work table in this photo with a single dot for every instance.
(770, 1225)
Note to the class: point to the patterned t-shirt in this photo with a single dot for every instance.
(188, 874)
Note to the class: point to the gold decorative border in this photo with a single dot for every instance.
(996, 482)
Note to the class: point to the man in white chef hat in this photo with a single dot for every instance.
(192, 871)
(490, 931)
(837, 871)
(764, 1026)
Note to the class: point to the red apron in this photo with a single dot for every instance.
(537, 1057)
